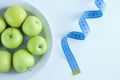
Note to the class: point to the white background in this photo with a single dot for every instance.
(98, 56)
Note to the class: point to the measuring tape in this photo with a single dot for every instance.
(80, 35)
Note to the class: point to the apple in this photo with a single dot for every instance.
(23, 60)
(37, 45)
(15, 15)
(5, 61)
(32, 26)
(11, 38)
(2, 24)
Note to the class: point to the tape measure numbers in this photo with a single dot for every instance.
(80, 35)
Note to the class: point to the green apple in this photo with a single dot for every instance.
(2, 24)
(5, 61)
(23, 60)
(37, 45)
(15, 15)
(11, 38)
(32, 26)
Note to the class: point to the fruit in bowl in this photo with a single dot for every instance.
(23, 60)
(32, 26)
(15, 15)
(18, 28)
(5, 61)
(2, 24)
(37, 45)
(12, 38)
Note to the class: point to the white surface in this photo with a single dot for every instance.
(98, 56)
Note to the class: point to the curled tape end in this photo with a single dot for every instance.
(76, 72)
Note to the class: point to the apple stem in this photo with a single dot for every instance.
(29, 69)
(11, 32)
(39, 46)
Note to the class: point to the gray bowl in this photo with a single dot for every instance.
(40, 61)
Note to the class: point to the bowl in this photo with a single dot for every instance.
(40, 61)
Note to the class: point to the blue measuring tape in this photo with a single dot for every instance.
(80, 35)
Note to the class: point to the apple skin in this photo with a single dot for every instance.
(23, 60)
(2, 24)
(11, 38)
(5, 61)
(32, 26)
(15, 15)
(37, 45)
